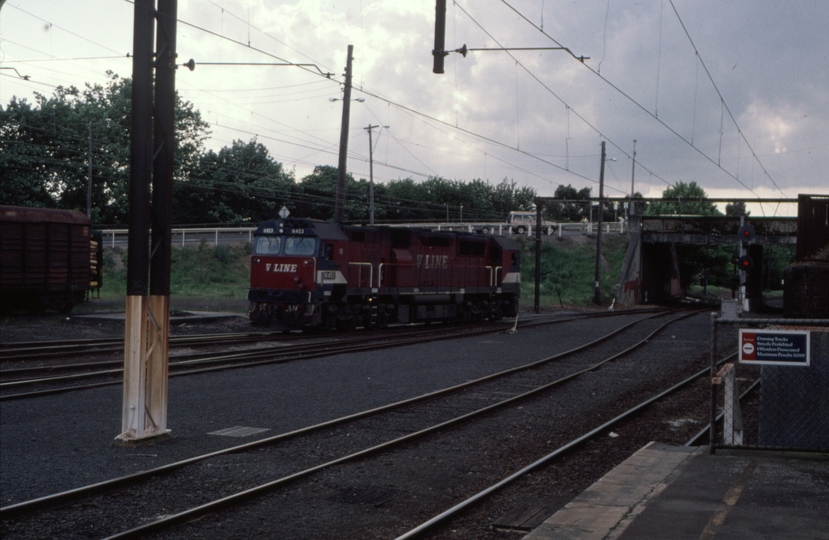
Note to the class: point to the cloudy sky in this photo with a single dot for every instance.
(733, 95)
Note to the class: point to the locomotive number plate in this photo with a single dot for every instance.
(297, 231)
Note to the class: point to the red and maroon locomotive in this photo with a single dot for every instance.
(315, 274)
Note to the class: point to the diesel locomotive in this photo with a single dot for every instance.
(310, 274)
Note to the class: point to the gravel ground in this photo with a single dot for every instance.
(50, 327)
(55, 443)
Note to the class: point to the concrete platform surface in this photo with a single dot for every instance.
(678, 493)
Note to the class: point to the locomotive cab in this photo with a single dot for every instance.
(292, 269)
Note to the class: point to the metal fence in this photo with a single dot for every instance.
(773, 392)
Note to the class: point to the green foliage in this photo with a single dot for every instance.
(115, 273)
(44, 148)
(775, 260)
(218, 272)
(694, 259)
(568, 271)
(239, 184)
(736, 209)
(315, 196)
(204, 272)
(439, 199)
(569, 212)
(681, 190)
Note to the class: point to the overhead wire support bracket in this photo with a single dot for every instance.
(324, 73)
(24, 77)
(463, 50)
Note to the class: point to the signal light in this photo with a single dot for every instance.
(746, 263)
(746, 233)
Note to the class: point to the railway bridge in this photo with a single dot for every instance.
(651, 269)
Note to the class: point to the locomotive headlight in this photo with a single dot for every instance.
(328, 275)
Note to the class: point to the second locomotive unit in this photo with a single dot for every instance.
(315, 274)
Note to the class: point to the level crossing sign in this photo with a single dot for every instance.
(774, 347)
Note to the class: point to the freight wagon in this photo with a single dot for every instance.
(49, 259)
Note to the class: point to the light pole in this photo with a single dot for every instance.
(89, 160)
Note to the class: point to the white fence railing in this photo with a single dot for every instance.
(181, 237)
(112, 237)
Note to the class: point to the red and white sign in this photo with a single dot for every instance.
(775, 347)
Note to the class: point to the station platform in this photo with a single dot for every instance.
(678, 493)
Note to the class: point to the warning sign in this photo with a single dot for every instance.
(776, 347)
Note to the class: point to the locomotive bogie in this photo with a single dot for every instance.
(314, 274)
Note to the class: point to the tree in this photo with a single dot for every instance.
(405, 202)
(696, 206)
(44, 148)
(238, 184)
(314, 196)
(569, 211)
(736, 209)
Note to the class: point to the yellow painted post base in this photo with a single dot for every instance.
(146, 354)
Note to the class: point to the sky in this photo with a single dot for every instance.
(731, 95)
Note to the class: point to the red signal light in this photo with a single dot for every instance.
(746, 233)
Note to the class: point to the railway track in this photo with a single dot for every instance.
(28, 351)
(294, 458)
(57, 377)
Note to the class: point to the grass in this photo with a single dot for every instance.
(203, 278)
(568, 271)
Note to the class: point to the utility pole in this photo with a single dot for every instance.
(631, 208)
(89, 161)
(371, 175)
(596, 296)
(89, 179)
(537, 299)
(340, 200)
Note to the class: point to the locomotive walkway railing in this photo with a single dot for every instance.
(451, 278)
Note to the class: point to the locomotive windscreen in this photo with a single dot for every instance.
(284, 245)
(267, 245)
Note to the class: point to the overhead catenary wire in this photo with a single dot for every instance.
(400, 106)
(643, 108)
(484, 153)
(422, 116)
